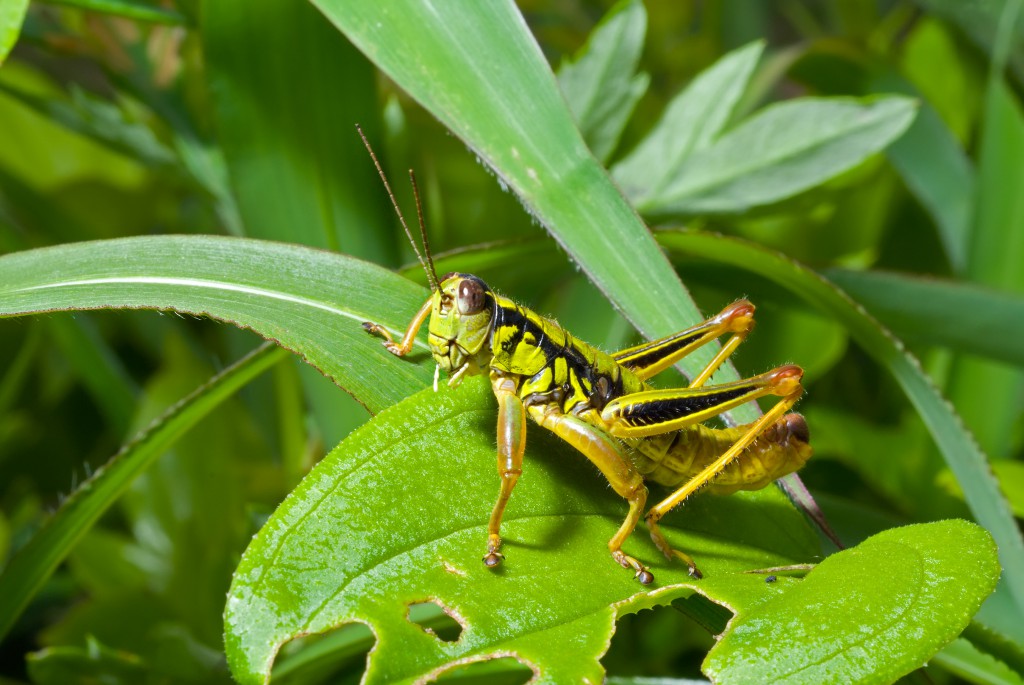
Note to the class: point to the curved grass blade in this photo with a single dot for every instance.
(990, 323)
(32, 565)
(308, 301)
(958, 448)
(476, 67)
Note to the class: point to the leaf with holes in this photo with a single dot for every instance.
(396, 517)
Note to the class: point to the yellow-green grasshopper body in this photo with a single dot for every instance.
(602, 405)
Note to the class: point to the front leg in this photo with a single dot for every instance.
(511, 445)
(401, 349)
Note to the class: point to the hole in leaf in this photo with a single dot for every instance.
(665, 641)
(503, 671)
(435, 619)
(327, 657)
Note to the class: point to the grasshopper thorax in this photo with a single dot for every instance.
(460, 323)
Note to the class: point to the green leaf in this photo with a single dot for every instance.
(885, 608)
(12, 15)
(476, 68)
(397, 515)
(782, 150)
(989, 322)
(600, 85)
(690, 123)
(309, 301)
(35, 562)
(958, 449)
(296, 163)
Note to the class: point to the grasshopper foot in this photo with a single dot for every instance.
(641, 573)
(493, 559)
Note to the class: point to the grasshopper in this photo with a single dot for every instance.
(601, 403)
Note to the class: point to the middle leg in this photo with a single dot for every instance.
(603, 451)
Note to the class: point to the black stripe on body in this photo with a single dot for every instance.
(652, 354)
(582, 362)
(662, 411)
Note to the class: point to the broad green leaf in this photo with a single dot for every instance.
(989, 322)
(690, 123)
(782, 150)
(397, 515)
(958, 449)
(600, 84)
(29, 569)
(12, 15)
(309, 301)
(297, 166)
(865, 615)
(476, 68)
(129, 9)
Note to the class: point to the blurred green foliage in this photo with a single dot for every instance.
(120, 118)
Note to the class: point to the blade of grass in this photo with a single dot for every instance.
(32, 565)
(958, 448)
(309, 301)
(128, 9)
(989, 323)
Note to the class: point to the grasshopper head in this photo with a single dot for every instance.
(460, 322)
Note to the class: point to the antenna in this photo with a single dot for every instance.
(423, 224)
(431, 275)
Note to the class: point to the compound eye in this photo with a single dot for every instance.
(471, 297)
